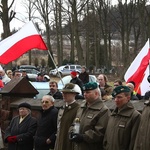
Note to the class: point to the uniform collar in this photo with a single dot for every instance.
(94, 105)
(126, 110)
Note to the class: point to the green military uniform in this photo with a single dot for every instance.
(66, 116)
(143, 134)
(122, 125)
(93, 122)
(65, 119)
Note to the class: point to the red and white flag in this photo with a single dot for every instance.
(139, 70)
(19, 43)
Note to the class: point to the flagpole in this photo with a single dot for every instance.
(55, 67)
(50, 57)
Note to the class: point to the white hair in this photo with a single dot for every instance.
(98, 91)
(51, 98)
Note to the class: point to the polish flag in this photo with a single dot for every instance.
(139, 70)
(25, 39)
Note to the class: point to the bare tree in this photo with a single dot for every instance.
(30, 11)
(75, 8)
(57, 7)
(6, 15)
(44, 7)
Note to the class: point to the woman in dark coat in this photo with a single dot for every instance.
(19, 134)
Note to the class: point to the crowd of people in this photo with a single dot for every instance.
(89, 125)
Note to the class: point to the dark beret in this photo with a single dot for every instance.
(90, 86)
(26, 105)
(120, 89)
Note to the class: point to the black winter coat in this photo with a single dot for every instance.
(57, 95)
(77, 81)
(24, 132)
(47, 127)
(84, 77)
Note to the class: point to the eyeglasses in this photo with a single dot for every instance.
(46, 102)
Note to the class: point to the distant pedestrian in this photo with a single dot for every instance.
(84, 76)
(25, 75)
(40, 78)
(76, 80)
(105, 88)
(17, 74)
(4, 77)
(9, 74)
(117, 82)
(131, 87)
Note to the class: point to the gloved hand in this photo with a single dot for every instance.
(76, 137)
(12, 139)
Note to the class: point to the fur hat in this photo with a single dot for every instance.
(26, 105)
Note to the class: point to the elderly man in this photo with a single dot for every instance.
(54, 90)
(19, 134)
(93, 118)
(123, 122)
(66, 116)
(47, 125)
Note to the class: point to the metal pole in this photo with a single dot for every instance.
(55, 67)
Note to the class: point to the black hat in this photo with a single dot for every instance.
(26, 105)
(90, 86)
(120, 89)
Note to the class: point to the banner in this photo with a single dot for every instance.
(25, 39)
(138, 71)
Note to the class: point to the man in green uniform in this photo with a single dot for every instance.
(123, 122)
(93, 117)
(66, 116)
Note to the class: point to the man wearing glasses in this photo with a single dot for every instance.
(47, 125)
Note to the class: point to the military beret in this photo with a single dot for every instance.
(70, 88)
(90, 86)
(120, 89)
(26, 105)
